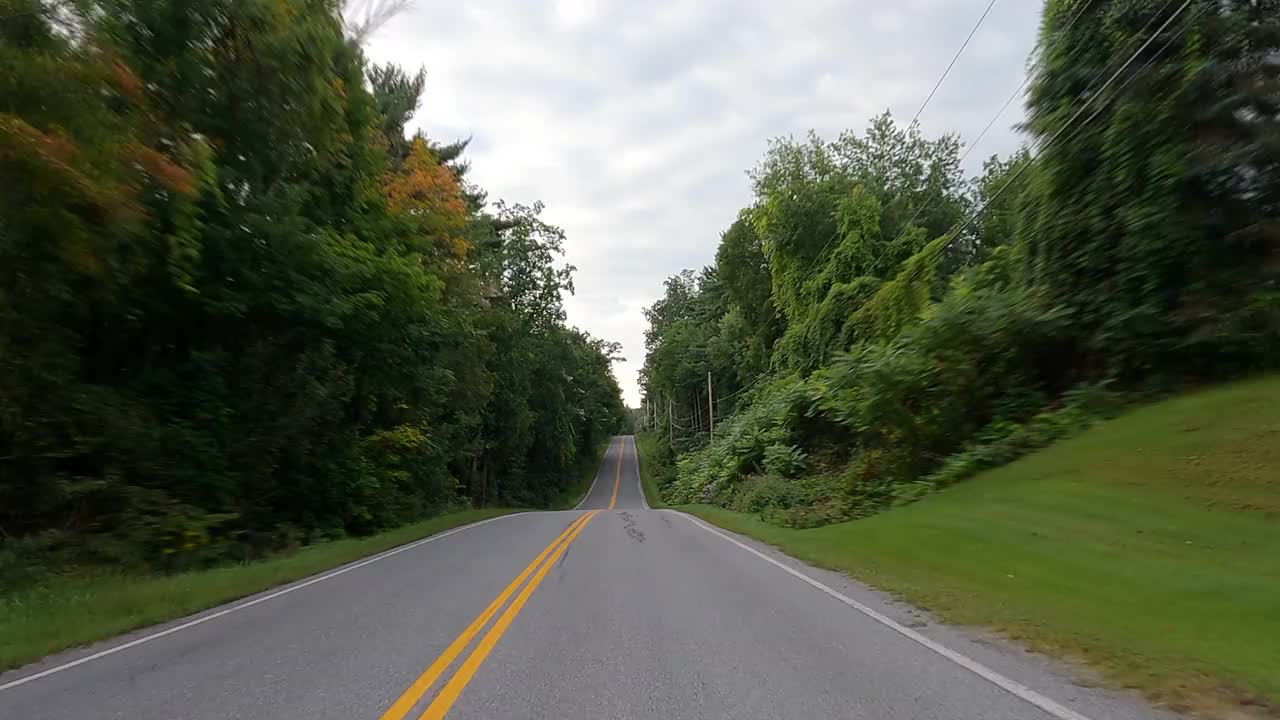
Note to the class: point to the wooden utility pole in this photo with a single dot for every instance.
(711, 410)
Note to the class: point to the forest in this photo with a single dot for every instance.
(243, 307)
(879, 324)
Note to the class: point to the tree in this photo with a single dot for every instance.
(362, 18)
(239, 308)
(397, 96)
(1165, 198)
(836, 218)
(1132, 245)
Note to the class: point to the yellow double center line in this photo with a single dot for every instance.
(447, 696)
(617, 474)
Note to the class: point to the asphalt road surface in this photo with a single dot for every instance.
(611, 610)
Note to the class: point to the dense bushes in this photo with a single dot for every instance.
(915, 345)
(240, 310)
(977, 366)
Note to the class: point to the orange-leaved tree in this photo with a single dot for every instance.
(427, 191)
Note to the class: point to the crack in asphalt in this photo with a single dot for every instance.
(629, 524)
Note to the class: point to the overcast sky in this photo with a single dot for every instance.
(635, 122)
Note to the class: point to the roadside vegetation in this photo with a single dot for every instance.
(1146, 547)
(879, 325)
(647, 448)
(80, 608)
(583, 476)
(244, 309)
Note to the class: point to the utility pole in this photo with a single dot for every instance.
(711, 409)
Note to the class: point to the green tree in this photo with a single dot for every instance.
(1154, 219)
(1132, 244)
(240, 308)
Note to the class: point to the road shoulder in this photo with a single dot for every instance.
(87, 616)
(1071, 685)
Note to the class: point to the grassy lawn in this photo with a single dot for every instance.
(79, 610)
(1148, 547)
(646, 449)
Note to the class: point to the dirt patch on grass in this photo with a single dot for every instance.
(1202, 697)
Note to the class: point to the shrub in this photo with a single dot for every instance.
(759, 436)
(963, 389)
(1003, 442)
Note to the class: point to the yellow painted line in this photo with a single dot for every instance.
(617, 475)
(405, 702)
(449, 694)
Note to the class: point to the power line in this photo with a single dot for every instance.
(916, 118)
(1138, 73)
(961, 227)
(952, 64)
(740, 390)
(1154, 16)
(1088, 102)
(1071, 23)
(1084, 6)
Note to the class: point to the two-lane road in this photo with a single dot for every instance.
(607, 611)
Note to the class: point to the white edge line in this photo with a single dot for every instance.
(595, 479)
(1011, 686)
(635, 458)
(250, 603)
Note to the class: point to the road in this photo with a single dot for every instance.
(634, 613)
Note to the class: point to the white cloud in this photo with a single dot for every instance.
(571, 14)
(636, 122)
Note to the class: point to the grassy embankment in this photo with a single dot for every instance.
(1148, 547)
(75, 610)
(646, 450)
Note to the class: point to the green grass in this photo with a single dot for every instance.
(584, 475)
(646, 449)
(81, 609)
(1148, 547)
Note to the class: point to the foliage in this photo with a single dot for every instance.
(1003, 441)
(1144, 546)
(240, 310)
(1156, 222)
(871, 341)
(65, 610)
(836, 217)
(889, 413)
(653, 472)
(744, 446)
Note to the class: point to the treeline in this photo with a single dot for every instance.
(240, 309)
(877, 325)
